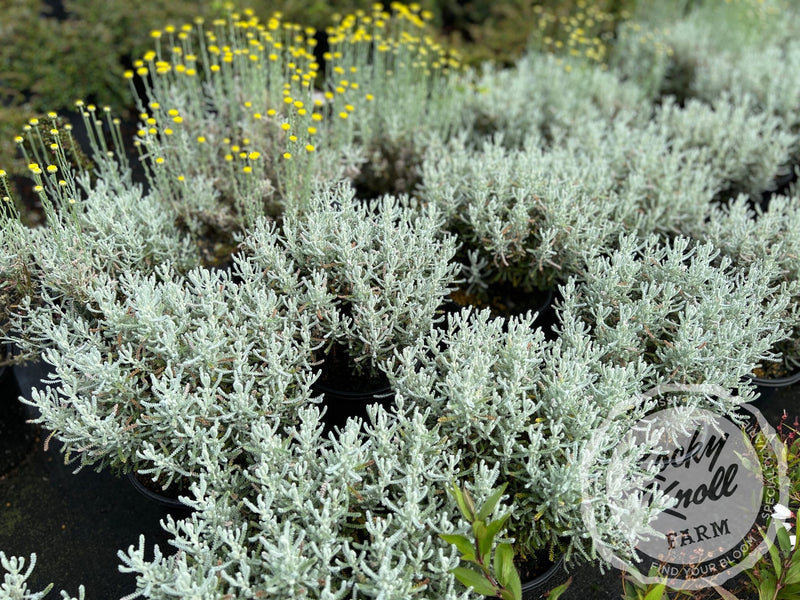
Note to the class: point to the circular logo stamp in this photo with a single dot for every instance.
(688, 493)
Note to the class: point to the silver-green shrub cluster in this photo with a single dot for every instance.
(531, 214)
(110, 231)
(682, 308)
(542, 99)
(704, 36)
(769, 77)
(749, 235)
(14, 273)
(386, 264)
(662, 186)
(745, 147)
(561, 174)
(353, 516)
(240, 120)
(150, 364)
(502, 398)
(745, 50)
(153, 366)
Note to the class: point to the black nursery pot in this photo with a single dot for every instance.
(17, 436)
(346, 394)
(343, 402)
(769, 388)
(168, 499)
(505, 300)
(28, 375)
(536, 587)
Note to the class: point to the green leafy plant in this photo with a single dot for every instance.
(776, 576)
(779, 577)
(496, 574)
(632, 589)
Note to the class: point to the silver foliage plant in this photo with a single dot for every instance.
(502, 398)
(386, 264)
(183, 372)
(152, 367)
(351, 516)
(532, 214)
(688, 312)
(14, 585)
(149, 364)
(745, 147)
(750, 234)
(549, 113)
(15, 276)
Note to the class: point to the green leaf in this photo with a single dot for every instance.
(475, 580)
(503, 562)
(789, 592)
(485, 539)
(775, 554)
(462, 505)
(469, 502)
(792, 574)
(464, 545)
(486, 535)
(556, 592)
(656, 592)
(724, 594)
(505, 571)
(488, 507)
(767, 586)
(497, 525)
(783, 538)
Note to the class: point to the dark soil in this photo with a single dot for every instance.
(16, 435)
(346, 394)
(338, 374)
(155, 491)
(773, 370)
(506, 300)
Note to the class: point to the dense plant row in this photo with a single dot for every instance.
(39, 37)
(287, 225)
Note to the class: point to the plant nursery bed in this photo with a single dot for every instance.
(76, 522)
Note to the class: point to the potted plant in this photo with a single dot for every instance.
(526, 218)
(683, 309)
(152, 366)
(354, 515)
(505, 400)
(387, 266)
(240, 118)
(109, 256)
(748, 234)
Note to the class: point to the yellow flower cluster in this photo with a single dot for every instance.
(269, 66)
(404, 29)
(251, 96)
(585, 33)
(53, 156)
